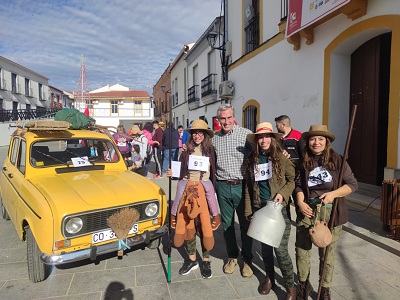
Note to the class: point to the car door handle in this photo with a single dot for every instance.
(10, 175)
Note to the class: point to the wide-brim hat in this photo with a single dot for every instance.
(321, 130)
(136, 130)
(200, 125)
(261, 128)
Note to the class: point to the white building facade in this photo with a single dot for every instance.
(204, 75)
(179, 87)
(316, 76)
(21, 88)
(118, 104)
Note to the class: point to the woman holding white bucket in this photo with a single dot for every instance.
(270, 176)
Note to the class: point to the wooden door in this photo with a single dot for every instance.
(369, 89)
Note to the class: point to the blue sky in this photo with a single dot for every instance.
(129, 42)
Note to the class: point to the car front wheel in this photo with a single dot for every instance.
(37, 270)
(4, 212)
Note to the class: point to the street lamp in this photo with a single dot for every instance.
(212, 39)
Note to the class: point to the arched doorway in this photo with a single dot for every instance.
(369, 90)
(337, 96)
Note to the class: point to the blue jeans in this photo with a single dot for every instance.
(166, 159)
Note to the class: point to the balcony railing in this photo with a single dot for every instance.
(208, 89)
(193, 97)
(252, 32)
(208, 85)
(3, 84)
(25, 114)
(121, 112)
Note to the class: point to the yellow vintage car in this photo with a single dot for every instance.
(59, 187)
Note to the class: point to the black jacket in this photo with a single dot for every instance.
(174, 141)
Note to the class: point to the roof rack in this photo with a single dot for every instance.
(45, 125)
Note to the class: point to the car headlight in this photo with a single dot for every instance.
(151, 209)
(74, 225)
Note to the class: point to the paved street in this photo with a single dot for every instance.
(362, 269)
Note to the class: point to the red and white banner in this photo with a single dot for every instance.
(302, 13)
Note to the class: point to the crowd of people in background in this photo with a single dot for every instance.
(220, 168)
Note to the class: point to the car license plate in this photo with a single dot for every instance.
(107, 235)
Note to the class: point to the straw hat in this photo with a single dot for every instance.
(136, 130)
(321, 130)
(261, 128)
(200, 125)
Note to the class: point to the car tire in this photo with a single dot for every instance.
(154, 244)
(4, 212)
(37, 270)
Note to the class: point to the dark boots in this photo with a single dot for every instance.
(325, 294)
(303, 290)
(266, 287)
(291, 293)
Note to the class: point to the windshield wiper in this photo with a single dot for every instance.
(52, 158)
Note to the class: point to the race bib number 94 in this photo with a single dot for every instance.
(198, 163)
(264, 172)
(319, 176)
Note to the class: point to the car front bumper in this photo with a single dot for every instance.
(94, 251)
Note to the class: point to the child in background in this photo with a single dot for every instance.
(136, 157)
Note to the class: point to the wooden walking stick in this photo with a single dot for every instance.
(335, 204)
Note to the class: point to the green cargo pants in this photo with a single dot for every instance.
(304, 244)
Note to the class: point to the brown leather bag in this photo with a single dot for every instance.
(320, 234)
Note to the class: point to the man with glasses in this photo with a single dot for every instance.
(230, 147)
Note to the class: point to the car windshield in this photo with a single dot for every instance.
(58, 152)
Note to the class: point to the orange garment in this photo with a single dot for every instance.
(193, 205)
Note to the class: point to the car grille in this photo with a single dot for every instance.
(97, 220)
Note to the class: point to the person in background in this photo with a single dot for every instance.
(185, 135)
(277, 184)
(291, 138)
(180, 131)
(136, 157)
(170, 140)
(216, 124)
(157, 147)
(198, 145)
(231, 146)
(162, 125)
(147, 131)
(122, 140)
(138, 138)
(317, 185)
(291, 143)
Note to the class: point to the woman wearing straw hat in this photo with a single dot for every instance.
(197, 166)
(317, 186)
(276, 184)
